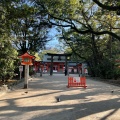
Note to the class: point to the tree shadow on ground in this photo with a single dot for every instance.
(76, 103)
(61, 112)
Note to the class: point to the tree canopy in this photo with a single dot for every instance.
(90, 28)
(87, 25)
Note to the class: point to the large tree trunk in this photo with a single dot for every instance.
(96, 59)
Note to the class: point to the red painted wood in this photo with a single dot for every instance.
(74, 83)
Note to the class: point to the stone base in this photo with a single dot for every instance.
(25, 86)
(4, 88)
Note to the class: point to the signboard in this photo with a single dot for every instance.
(21, 68)
(76, 79)
(69, 70)
(75, 70)
(85, 71)
(54, 70)
(34, 69)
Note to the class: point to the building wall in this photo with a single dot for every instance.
(57, 67)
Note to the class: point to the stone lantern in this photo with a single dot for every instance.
(26, 59)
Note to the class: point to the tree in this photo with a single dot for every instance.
(7, 60)
(86, 19)
(93, 29)
(115, 6)
(37, 58)
(71, 13)
(43, 52)
(29, 28)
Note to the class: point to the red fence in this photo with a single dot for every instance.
(77, 82)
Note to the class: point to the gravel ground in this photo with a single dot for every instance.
(99, 101)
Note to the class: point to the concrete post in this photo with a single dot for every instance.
(41, 71)
(66, 66)
(51, 67)
(26, 76)
(83, 66)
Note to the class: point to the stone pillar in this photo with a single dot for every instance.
(83, 66)
(66, 67)
(51, 67)
(26, 76)
(41, 71)
(58, 67)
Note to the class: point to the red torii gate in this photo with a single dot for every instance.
(59, 58)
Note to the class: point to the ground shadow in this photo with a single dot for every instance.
(67, 108)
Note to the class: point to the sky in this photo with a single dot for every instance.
(54, 42)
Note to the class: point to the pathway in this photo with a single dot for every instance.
(38, 102)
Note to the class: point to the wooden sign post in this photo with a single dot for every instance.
(21, 70)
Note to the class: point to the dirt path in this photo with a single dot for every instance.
(38, 102)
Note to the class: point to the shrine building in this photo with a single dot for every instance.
(57, 63)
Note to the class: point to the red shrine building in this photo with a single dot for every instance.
(59, 64)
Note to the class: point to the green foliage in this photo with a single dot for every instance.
(106, 69)
(8, 56)
(28, 26)
(37, 57)
(31, 71)
(42, 53)
(116, 72)
(85, 22)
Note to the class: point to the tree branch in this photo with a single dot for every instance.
(111, 8)
(88, 29)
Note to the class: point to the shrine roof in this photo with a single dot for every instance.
(47, 58)
(27, 55)
(54, 54)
